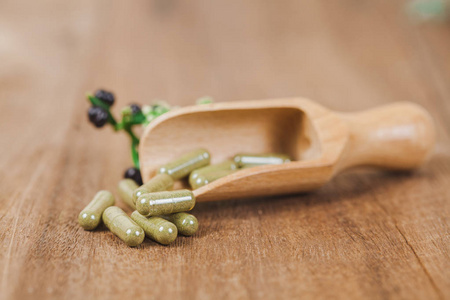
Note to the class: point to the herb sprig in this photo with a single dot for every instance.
(131, 116)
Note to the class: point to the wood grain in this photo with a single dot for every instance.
(364, 235)
(322, 143)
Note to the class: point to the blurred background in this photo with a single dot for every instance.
(357, 51)
(347, 55)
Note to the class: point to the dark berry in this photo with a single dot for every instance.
(98, 116)
(135, 174)
(135, 109)
(105, 96)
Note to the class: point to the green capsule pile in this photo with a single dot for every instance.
(160, 213)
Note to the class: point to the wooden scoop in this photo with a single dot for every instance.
(323, 143)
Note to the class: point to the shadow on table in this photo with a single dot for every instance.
(350, 185)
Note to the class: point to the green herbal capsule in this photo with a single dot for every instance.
(123, 226)
(91, 215)
(186, 224)
(161, 182)
(226, 165)
(164, 203)
(205, 178)
(246, 160)
(126, 188)
(157, 229)
(187, 163)
(208, 174)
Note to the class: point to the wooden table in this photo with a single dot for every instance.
(365, 235)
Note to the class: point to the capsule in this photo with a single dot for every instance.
(156, 228)
(126, 188)
(164, 203)
(226, 165)
(186, 224)
(123, 226)
(247, 160)
(207, 174)
(161, 182)
(182, 166)
(206, 178)
(91, 215)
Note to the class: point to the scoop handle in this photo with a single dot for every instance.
(398, 136)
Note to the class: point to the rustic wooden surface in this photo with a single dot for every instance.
(364, 235)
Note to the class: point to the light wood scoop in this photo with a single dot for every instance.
(323, 143)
